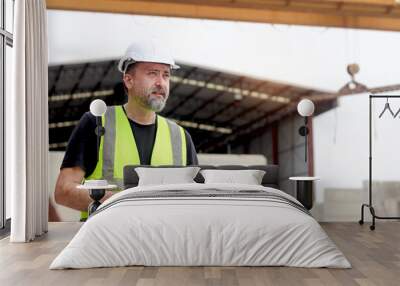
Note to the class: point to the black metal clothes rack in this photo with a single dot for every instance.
(369, 205)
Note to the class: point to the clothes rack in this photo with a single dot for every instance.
(369, 205)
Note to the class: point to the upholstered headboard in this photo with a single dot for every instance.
(270, 179)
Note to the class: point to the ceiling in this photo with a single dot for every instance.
(217, 108)
(363, 14)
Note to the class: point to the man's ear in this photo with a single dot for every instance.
(128, 80)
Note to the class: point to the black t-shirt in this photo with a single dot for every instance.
(81, 150)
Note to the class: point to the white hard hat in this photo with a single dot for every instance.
(146, 51)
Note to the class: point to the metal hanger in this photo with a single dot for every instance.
(397, 113)
(387, 107)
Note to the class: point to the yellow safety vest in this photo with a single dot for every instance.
(118, 147)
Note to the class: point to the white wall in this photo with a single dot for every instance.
(341, 159)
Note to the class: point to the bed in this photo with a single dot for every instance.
(201, 224)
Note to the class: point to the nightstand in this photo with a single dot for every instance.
(304, 190)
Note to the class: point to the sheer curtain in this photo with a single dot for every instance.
(27, 123)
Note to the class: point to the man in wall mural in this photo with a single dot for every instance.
(135, 134)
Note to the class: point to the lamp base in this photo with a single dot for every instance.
(96, 195)
(93, 207)
(304, 193)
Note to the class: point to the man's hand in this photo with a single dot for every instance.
(68, 195)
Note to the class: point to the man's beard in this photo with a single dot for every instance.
(149, 99)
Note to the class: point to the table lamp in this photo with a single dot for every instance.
(97, 188)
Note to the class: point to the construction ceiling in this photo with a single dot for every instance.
(363, 14)
(216, 108)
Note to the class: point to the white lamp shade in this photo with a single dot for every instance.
(305, 107)
(98, 107)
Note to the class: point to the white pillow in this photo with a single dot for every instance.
(166, 176)
(248, 177)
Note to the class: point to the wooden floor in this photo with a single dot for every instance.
(374, 255)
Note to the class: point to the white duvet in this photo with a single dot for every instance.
(185, 231)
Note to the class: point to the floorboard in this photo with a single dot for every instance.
(374, 255)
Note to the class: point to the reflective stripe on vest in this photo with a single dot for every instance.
(118, 146)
